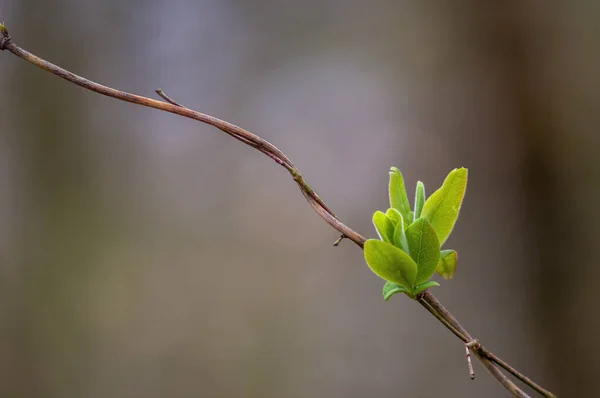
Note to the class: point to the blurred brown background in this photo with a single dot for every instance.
(146, 255)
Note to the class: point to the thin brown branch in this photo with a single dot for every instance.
(426, 299)
(440, 318)
(494, 358)
(486, 357)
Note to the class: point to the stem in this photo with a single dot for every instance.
(429, 301)
(426, 299)
(493, 357)
(440, 318)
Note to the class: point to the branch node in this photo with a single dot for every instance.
(473, 344)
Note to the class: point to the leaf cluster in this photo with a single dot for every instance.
(408, 252)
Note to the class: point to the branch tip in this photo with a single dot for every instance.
(5, 38)
(473, 344)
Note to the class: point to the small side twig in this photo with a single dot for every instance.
(468, 354)
(476, 345)
(426, 299)
(338, 241)
(167, 98)
(486, 357)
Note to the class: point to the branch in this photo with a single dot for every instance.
(487, 358)
(427, 300)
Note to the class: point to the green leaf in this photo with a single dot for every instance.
(424, 286)
(398, 197)
(384, 226)
(424, 248)
(442, 208)
(447, 265)
(389, 289)
(419, 199)
(390, 263)
(400, 237)
(394, 216)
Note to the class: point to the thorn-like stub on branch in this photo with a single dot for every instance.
(339, 240)
(468, 354)
(4, 37)
(167, 98)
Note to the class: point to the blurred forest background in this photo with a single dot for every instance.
(147, 255)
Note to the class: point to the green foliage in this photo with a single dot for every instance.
(398, 196)
(409, 251)
(394, 215)
(390, 263)
(389, 289)
(384, 226)
(447, 264)
(442, 208)
(424, 286)
(419, 199)
(424, 248)
(400, 239)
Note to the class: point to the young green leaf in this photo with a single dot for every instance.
(384, 226)
(424, 286)
(394, 216)
(389, 289)
(442, 208)
(400, 238)
(447, 264)
(419, 199)
(390, 263)
(424, 248)
(398, 197)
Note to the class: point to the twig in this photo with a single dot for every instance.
(429, 301)
(440, 318)
(338, 241)
(167, 98)
(468, 354)
(426, 299)
(494, 358)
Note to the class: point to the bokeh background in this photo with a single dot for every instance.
(147, 255)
